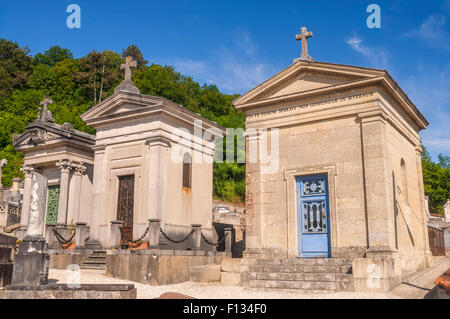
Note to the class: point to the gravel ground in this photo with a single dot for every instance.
(202, 291)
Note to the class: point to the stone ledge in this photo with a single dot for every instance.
(65, 287)
(61, 291)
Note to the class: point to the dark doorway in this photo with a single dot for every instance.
(125, 206)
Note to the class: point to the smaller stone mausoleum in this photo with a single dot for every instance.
(150, 159)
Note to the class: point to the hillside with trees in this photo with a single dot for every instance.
(76, 85)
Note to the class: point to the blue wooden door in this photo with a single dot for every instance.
(313, 216)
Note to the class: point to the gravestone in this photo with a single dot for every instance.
(7, 244)
(31, 262)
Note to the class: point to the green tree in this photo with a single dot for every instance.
(15, 67)
(436, 177)
(53, 55)
(136, 54)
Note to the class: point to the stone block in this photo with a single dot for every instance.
(231, 265)
(231, 278)
(207, 273)
(376, 274)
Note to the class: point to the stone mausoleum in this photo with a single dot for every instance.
(126, 174)
(349, 181)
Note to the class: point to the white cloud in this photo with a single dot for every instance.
(236, 68)
(377, 57)
(432, 31)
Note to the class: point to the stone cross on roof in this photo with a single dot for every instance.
(304, 36)
(46, 114)
(127, 85)
(129, 63)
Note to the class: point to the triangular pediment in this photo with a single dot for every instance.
(305, 77)
(120, 103)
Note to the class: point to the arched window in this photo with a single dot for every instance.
(404, 181)
(187, 170)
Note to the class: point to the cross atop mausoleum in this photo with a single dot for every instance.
(46, 114)
(127, 84)
(304, 36)
(129, 63)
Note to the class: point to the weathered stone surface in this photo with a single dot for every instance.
(157, 267)
(207, 273)
(231, 278)
(232, 265)
(60, 291)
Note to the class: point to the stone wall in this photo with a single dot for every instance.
(157, 267)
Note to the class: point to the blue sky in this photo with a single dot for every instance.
(238, 44)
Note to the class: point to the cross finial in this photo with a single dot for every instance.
(46, 102)
(46, 114)
(129, 63)
(304, 36)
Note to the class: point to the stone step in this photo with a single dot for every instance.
(317, 277)
(94, 262)
(300, 269)
(97, 257)
(292, 291)
(93, 267)
(301, 262)
(300, 285)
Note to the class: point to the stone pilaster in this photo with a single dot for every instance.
(253, 224)
(377, 186)
(78, 171)
(99, 191)
(157, 169)
(65, 167)
(424, 215)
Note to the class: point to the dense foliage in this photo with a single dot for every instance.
(75, 85)
(436, 177)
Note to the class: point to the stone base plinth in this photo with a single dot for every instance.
(6, 271)
(61, 291)
(158, 267)
(31, 263)
(376, 274)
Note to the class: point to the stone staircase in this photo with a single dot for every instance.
(95, 261)
(310, 275)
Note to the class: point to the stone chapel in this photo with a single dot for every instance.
(349, 183)
(126, 172)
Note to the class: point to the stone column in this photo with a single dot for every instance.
(229, 240)
(28, 171)
(3, 162)
(79, 170)
(157, 168)
(197, 236)
(153, 234)
(377, 177)
(65, 166)
(80, 236)
(115, 236)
